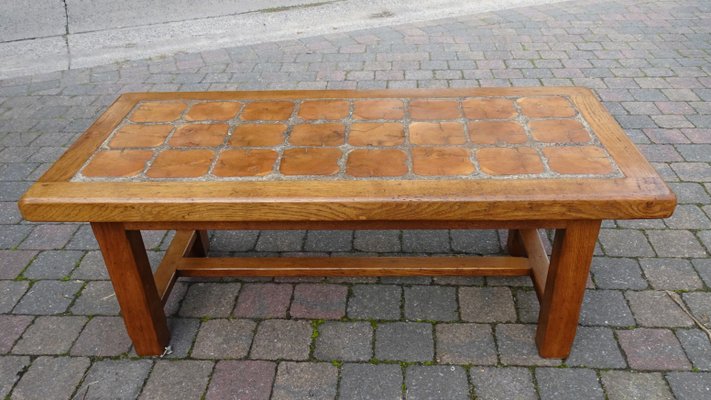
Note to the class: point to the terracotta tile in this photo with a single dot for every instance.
(155, 111)
(366, 163)
(323, 109)
(181, 164)
(488, 108)
(379, 109)
(434, 109)
(140, 136)
(258, 135)
(496, 132)
(376, 134)
(578, 160)
(441, 161)
(317, 135)
(199, 135)
(213, 110)
(245, 163)
(509, 161)
(310, 161)
(437, 133)
(117, 163)
(267, 111)
(559, 131)
(546, 107)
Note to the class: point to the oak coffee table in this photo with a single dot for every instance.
(502, 158)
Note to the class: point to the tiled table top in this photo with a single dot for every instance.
(477, 137)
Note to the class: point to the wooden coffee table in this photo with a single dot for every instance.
(513, 158)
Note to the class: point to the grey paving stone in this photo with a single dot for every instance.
(9, 213)
(282, 339)
(687, 192)
(503, 383)
(103, 337)
(404, 341)
(625, 243)
(49, 237)
(370, 382)
(671, 274)
(280, 241)
(677, 243)
(347, 341)
(324, 301)
(234, 240)
(10, 369)
(486, 304)
(59, 377)
(431, 303)
(53, 264)
(115, 379)
(688, 216)
(173, 379)
(558, 383)
(700, 305)
(83, 239)
(605, 307)
(595, 348)
(50, 335)
(436, 382)
(97, 298)
(517, 346)
(11, 328)
(242, 380)
(697, 346)
(91, 267)
(209, 299)
(475, 241)
(702, 266)
(48, 297)
(689, 385)
(329, 241)
(182, 335)
(629, 385)
(652, 349)
(295, 381)
(12, 262)
(10, 294)
(377, 241)
(406, 280)
(617, 273)
(425, 241)
(527, 306)
(263, 300)
(465, 344)
(223, 338)
(656, 309)
(380, 302)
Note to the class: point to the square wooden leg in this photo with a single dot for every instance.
(127, 263)
(565, 287)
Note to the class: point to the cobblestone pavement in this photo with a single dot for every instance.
(443, 338)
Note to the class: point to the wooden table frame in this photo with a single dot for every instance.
(573, 207)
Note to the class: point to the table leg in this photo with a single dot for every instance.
(514, 244)
(565, 287)
(201, 246)
(127, 263)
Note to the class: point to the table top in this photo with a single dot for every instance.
(554, 150)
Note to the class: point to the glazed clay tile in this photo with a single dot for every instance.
(437, 133)
(372, 163)
(311, 161)
(379, 109)
(323, 109)
(578, 160)
(135, 135)
(258, 135)
(559, 131)
(181, 164)
(213, 110)
(376, 134)
(509, 161)
(317, 135)
(267, 111)
(441, 161)
(117, 163)
(546, 107)
(485, 108)
(245, 163)
(158, 111)
(434, 109)
(496, 132)
(199, 135)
